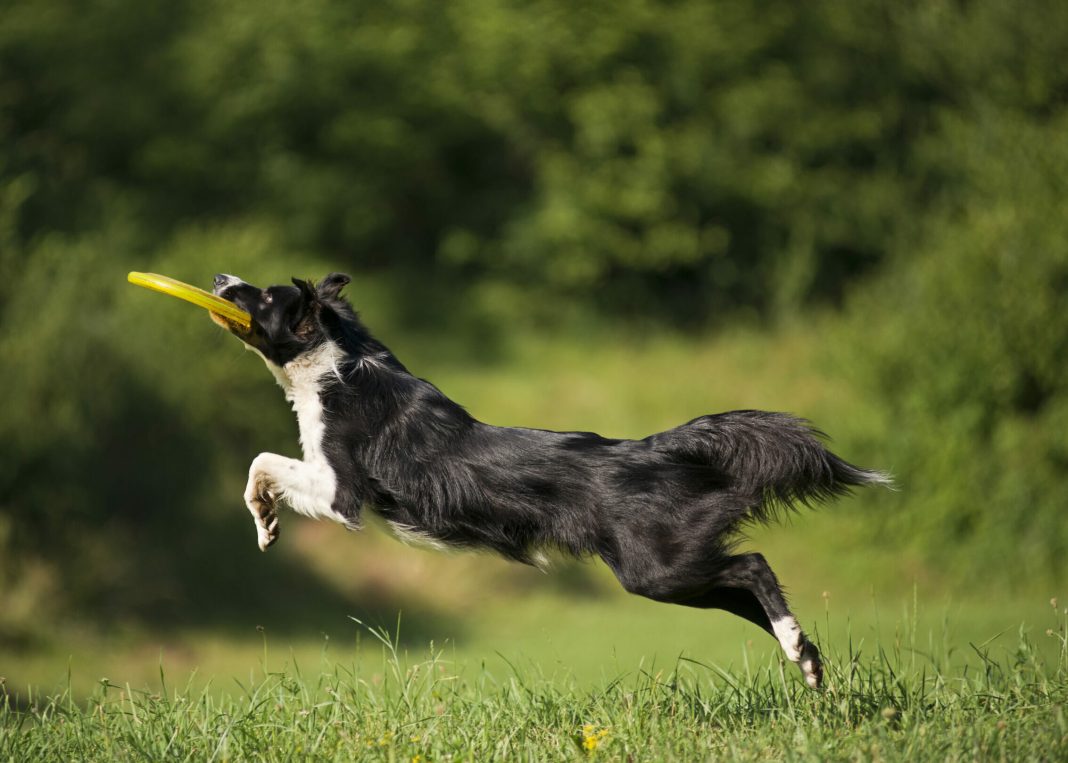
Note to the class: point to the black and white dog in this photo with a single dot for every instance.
(659, 511)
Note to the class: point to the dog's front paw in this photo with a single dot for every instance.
(261, 504)
(267, 530)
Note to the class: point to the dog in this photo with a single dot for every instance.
(661, 512)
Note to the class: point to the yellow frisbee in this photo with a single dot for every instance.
(198, 297)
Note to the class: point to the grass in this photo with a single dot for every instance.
(903, 702)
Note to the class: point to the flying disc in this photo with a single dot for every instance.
(199, 297)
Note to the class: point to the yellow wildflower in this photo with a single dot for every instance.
(592, 737)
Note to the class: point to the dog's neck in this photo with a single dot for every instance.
(302, 380)
(304, 374)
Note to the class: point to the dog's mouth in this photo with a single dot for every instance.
(232, 326)
(223, 284)
(226, 323)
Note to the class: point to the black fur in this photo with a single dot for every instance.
(660, 511)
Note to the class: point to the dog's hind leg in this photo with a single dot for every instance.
(308, 488)
(746, 586)
(743, 585)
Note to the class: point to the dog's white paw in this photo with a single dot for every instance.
(261, 504)
(811, 667)
(800, 650)
(266, 532)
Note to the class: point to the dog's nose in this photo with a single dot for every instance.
(220, 280)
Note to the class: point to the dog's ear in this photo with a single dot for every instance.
(331, 286)
(297, 311)
(307, 291)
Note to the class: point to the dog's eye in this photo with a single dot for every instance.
(267, 298)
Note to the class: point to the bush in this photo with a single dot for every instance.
(965, 343)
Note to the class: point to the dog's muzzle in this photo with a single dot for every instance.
(222, 282)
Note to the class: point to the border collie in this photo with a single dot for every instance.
(661, 511)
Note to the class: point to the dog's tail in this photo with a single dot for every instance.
(777, 460)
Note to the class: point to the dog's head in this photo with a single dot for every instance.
(286, 320)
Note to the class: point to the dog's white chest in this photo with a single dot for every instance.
(308, 406)
(302, 380)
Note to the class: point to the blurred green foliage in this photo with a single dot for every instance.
(485, 163)
(674, 158)
(967, 346)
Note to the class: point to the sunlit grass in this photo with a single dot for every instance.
(900, 701)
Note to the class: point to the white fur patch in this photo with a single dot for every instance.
(540, 560)
(372, 361)
(307, 486)
(881, 478)
(790, 638)
(414, 537)
(305, 376)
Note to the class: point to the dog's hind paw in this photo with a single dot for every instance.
(811, 667)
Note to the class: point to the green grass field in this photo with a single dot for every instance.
(904, 701)
(498, 661)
